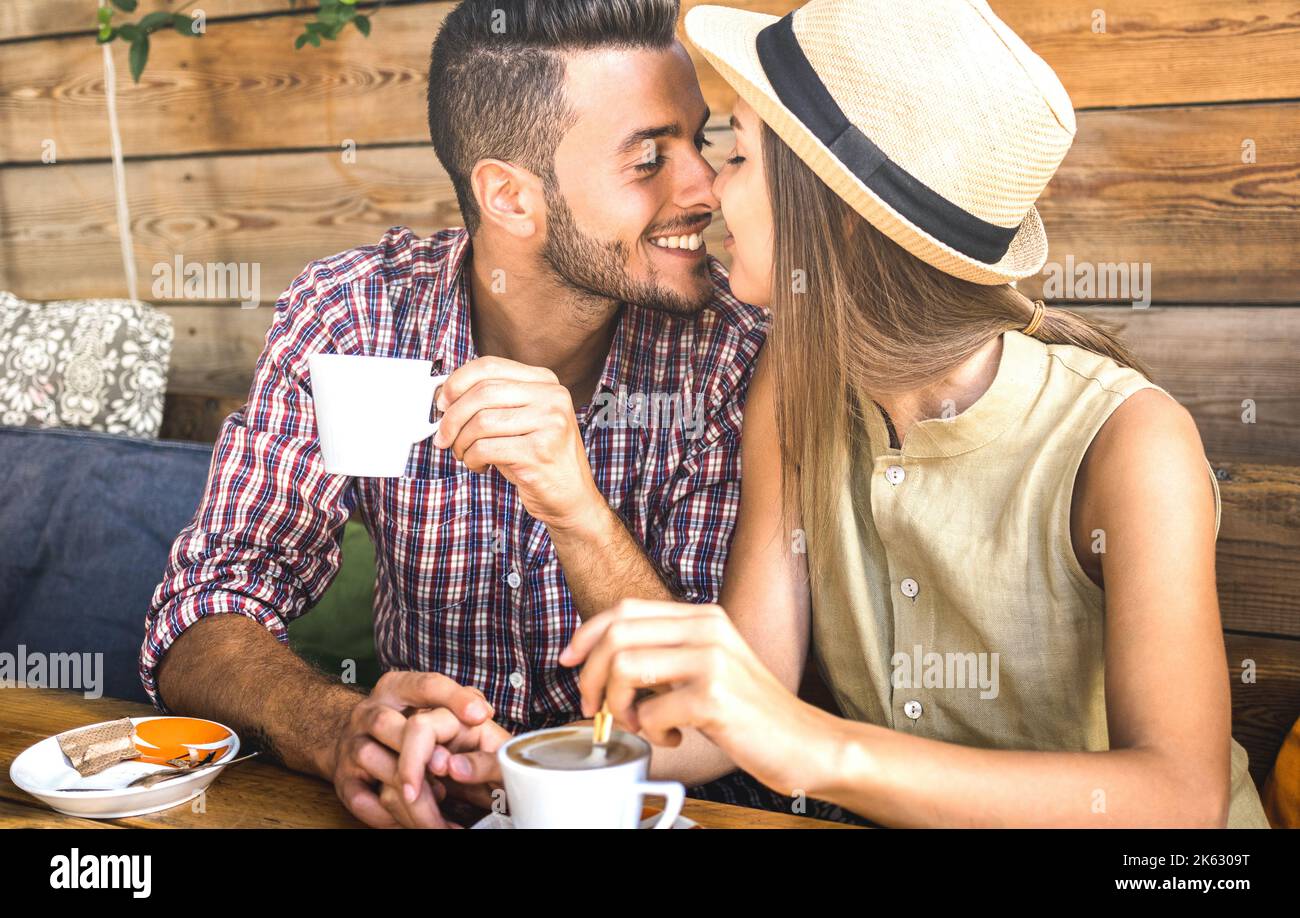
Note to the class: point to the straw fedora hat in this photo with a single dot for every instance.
(930, 117)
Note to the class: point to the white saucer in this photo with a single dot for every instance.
(44, 772)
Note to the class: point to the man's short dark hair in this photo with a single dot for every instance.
(496, 77)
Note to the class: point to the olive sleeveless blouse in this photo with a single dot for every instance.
(953, 606)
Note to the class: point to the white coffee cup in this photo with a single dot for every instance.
(604, 797)
(371, 410)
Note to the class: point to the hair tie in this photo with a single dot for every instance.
(1040, 310)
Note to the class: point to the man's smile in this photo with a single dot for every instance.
(683, 245)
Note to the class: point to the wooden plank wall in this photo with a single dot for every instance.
(1187, 159)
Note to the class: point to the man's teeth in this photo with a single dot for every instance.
(692, 242)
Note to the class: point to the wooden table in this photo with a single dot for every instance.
(255, 794)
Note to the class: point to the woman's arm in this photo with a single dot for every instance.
(765, 590)
(765, 586)
(1144, 484)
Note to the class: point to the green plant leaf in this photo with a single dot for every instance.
(332, 16)
(155, 21)
(139, 55)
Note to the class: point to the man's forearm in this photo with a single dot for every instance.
(230, 669)
(604, 563)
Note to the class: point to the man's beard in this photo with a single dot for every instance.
(597, 271)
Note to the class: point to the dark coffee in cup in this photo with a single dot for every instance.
(571, 750)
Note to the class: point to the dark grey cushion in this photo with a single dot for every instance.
(86, 523)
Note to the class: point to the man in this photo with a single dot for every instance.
(579, 294)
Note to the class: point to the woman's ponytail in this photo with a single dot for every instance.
(1062, 326)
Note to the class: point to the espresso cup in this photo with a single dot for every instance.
(370, 411)
(554, 780)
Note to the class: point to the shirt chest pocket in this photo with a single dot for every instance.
(432, 543)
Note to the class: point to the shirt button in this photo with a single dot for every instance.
(910, 588)
(514, 580)
(517, 680)
(912, 709)
(895, 474)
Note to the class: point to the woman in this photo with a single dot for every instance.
(1009, 529)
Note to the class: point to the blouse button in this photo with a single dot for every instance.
(912, 709)
(517, 680)
(895, 474)
(514, 580)
(910, 588)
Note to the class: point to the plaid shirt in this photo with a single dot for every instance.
(468, 584)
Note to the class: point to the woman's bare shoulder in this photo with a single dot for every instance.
(1144, 472)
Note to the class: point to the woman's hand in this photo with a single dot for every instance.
(702, 674)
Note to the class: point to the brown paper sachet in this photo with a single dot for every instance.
(92, 749)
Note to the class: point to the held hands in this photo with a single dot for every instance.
(704, 676)
(416, 739)
(521, 420)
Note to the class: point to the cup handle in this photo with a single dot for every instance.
(674, 794)
(428, 428)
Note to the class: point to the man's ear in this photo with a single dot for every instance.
(508, 197)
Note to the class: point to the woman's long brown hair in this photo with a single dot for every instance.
(857, 317)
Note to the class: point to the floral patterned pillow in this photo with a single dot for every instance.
(89, 364)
